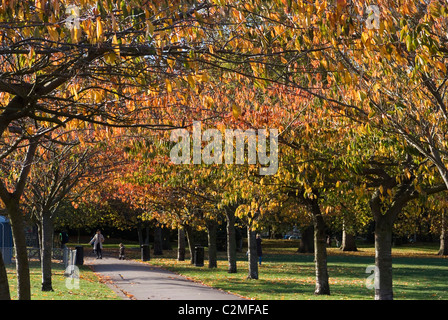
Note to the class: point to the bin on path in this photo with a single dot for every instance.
(199, 256)
(145, 252)
(79, 257)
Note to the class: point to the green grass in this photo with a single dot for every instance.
(418, 273)
(91, 287)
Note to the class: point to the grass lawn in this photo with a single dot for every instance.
(90, 286)
(418, 273)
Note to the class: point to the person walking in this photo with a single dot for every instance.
(121, 252)
(97, 242)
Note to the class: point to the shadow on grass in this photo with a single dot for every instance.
(292, 277)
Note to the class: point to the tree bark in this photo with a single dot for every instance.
(190, 238)
(166, 241)
(252, 254)
(383, 258)
(4, 285)
(140, 236)
(307, 240)
(158, 241)
(348, 241)
(12, 203)
(231, 240)
(180, 244)
(46, 240)
(443, 249)
(22, 265)
(383, 245)
(320, 250)
(212, 228)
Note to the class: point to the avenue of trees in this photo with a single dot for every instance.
(90, 92)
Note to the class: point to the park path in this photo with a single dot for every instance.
(140, 281)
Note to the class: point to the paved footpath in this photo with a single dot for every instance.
(140, 281)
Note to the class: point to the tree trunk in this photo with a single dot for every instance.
(190, 238)
(158, 241)
(147, 234)
(140, 236)
(383, 258)
(4, 285)
(383, 238)
(252, 254)
(46, 240)
(443, 250)
(180, 244)
(307, 240)
(231, 240)
(320, 250)
(348, 241)
(212, 228)
(22, 265)
(383, 248)
(166, 241)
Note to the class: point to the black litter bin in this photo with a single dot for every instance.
(199, 256)
(79, 257)
(145, 252)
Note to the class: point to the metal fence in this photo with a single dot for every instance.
(66, 256)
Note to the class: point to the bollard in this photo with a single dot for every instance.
(145, 252)
(199, 256)
(79, 257)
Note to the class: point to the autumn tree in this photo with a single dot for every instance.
(96, 61)
(360, 59)
(12, 188)
(64, 172)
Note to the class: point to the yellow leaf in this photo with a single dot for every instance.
(76, 35)
(98, 97)
(441, 66)
(408, 174)
(236, 110)
(99, 30)
(168, 86)
(110, 57)
(149, 28)
(170, 62)
(75, 93)
(190, 80)
(204, 77)
(54, 35)
(208, 101)
(116, 45)
(31, 56)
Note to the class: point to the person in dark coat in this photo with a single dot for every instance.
(121, 252)
(259, 249)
